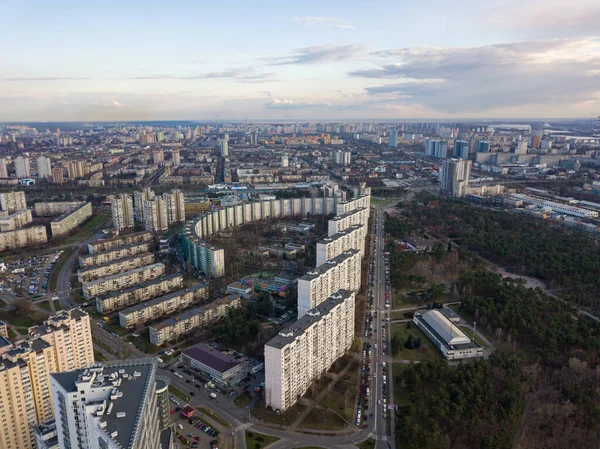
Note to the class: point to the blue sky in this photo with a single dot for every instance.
(134, 60)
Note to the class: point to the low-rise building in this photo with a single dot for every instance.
(21, 238)
(453, 343)
(16, 220)
(275, 285)
(303, 351)
(163, 305)
(113, 254)
(237, 288)
(70, 220)
(222, 369)
(122, 280)
(114, 266)
(192, 319)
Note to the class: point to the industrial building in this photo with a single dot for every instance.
(163, 305)
(114, 266)
(446, 336)
(196, 318)
(70, 220)
(137, 293)
(122, 280)
(222, 369)
(556, 207)
(303, 351)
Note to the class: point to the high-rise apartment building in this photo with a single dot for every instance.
(44, 167)
(175, 157)
(330, 247)
(483, 146)
(155, 215)
(455, 176)
(225, 146)
(158, 157)
(436, 148)
(393, 138)
(113, 406)
(75, 169)
(122, 211)
(22, 167)
(461, 148)
(58, 175)
(302, 352)
(3, 168)
(12, 202)
(139, 198)
(175, 203)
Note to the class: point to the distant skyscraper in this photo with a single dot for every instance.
(225, 146)
(393, 140)
(158, 157)
(44, 167)
(461, 148)
(436, 148)
(22, 167)
(455, 177)
(175, 157)
(483, 146)
(122, 211)
(3, 168)
(108, 407)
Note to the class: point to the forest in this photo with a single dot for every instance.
(564, 258)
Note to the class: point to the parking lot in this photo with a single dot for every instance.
(29, 277)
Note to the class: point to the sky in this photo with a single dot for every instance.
(66, 60)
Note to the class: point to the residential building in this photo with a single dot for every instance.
(58, 175)
(340, 223)
(155, 215)
(158, 157)
(119, 241)
(341, 272)
(163, 305)
(353, 237)
(22, 167)
(12, 202)
(55, 208)
(3, 329)
(139, 198)
(113, 406)
(127, 297)
(175, 206)
(453, 343)
(122, 280)
(3, 168)
(393, 138)
(16, 220)
(191, 320)
(46, 436)
(76, 169)
(222, 369)
(122, 211)
(175, 157)
(20, 238)
(455, 176)
(303, 351)
(113, 254)
(461, 148)
(44, 167)
(225, 146)
(436, 148)
(361, 202)
(114, 267)
(70, 220)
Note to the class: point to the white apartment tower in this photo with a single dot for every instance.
(108, 407)
(139, 198)
(12, 202)
(122, 211)
(175, 206)
(44, 167)
(455, 176)
(175, 157)
(22, 167)
(3, 168)
(225, 146)
(155, 215)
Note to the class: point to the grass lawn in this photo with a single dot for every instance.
(469, 332)
(44, 305)
(214, 416)
(258, 440)
(177, 392)
(89, 228)
(323, 420)
(399, 398)
(367, 444)
(289, 416)
(21, 321)
(12, 334)
(426, 352)
(99, 357)
(401, 315)
(243, 400)
(58, 266)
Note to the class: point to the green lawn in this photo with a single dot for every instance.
(243, 400)
(426, 352)
(44, 305)
(258, 440)
(401, 315)
(469, 332)
(367, 444)
(214, 416)
(323, 420)
(21, 321)
(12, 334)
(177, 392)
(99, 357)
(289, 416)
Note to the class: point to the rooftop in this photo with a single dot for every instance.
(148, 234)
(339, 235)
(66, 214)
(348, 214)
(142, 285)
(211, 357)
(124, 273)
(297, 328)
(165, 298)
(325, 267)
(445, 331)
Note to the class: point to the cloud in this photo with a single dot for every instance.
(43, 78)
(322, 54)
(115, 104)
(286, 103)
(468, 79)
(242, 75)
(324, 22)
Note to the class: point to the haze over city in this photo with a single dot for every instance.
(150, 60)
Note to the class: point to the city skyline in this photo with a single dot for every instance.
(141, 61)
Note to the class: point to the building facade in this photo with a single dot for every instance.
(119, 241)
(455, 177)
(353, 237)
(16, 220)
(70, 220)
(114, 267)
(55, 208)
(21, 238)
(103, 257)
(12, 202)
(122, 280)
(122, 211)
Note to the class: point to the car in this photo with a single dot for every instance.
(180, 426)
(195, 445)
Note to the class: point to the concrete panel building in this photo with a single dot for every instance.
(341, 272)
(163, 305)
(114, 266)
(113, 254)
(303, 351)
(16, 220)
(122, 280)
(340, 223)
(122, 211)
(21, 238)
(119, 241)
(12, 201)
(55, 208)
(138, 293)
(353, 237)
(70, 220)
(196, 318)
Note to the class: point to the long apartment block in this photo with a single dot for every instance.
(303, 351)
(127, 297)
(192, 319)
(341, 272)
(163, 305)
(352, 238)
(340, 223)
(20, 238)
(16, 220)
(363, 201)
(55, 208)
(113, 254)
(119, 241)
(70, 220)
(122, 280)
(115, 266)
